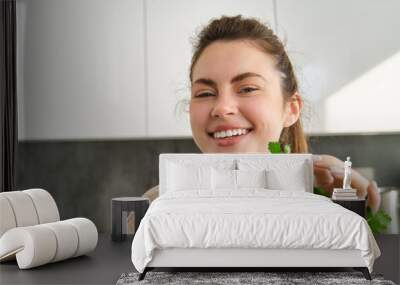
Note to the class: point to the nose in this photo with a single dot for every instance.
(225, 105)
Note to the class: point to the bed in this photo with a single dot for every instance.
(247, 211)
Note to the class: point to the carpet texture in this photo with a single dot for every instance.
(228, 278)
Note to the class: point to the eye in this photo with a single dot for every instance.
(247, 90)
(204, 94)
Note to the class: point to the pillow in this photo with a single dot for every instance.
(188, 177)
(293, 180)
(251, 178)
(223, 179)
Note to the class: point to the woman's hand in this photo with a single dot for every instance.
(329, 174)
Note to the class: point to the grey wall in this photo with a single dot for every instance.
(380, 152)
(83, 176)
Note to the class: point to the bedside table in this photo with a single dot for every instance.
(126, 215)
(357, 206)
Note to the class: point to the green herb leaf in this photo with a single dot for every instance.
(287, 148)
(274, 147)
(321, 191)
(277, 147)
(379, 221)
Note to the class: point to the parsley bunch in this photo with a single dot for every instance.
(277, 147)
(379, 221)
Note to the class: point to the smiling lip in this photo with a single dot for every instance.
(227, 127)
(228, 141)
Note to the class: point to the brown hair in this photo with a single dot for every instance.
(238, 28)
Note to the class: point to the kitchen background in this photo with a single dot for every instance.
(102, 88)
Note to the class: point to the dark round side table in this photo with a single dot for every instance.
(126, 214)
(357, 206)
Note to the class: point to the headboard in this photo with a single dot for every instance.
(294, 171)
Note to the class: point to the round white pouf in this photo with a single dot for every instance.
(23, 208)
(7, 218)
(33, 246)
(87, 233)
(45, 205)
(67, 239)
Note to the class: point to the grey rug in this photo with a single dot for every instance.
(228, 278)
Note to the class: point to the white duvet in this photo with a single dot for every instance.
(252, 218)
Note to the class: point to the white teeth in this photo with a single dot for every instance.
(230, 133)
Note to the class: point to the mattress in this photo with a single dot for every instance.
(250, 219)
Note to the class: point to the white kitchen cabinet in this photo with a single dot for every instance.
(347, 56)
(81, 69)
(169, 27)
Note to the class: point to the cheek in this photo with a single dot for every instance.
(199, 113)
(266, 115)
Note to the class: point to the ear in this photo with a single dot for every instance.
(293, 109)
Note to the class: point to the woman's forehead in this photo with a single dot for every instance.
(224, 60)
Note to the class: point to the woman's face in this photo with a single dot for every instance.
(236, 100)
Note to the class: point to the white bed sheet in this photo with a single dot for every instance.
(251, 218)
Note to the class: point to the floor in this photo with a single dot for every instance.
(110, 259)
(103, 266)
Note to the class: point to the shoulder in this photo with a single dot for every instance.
(152, 193)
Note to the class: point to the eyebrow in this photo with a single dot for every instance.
(237, 78)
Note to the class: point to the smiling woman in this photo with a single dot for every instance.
(244, 94)
(242, 79)
(238, 97)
